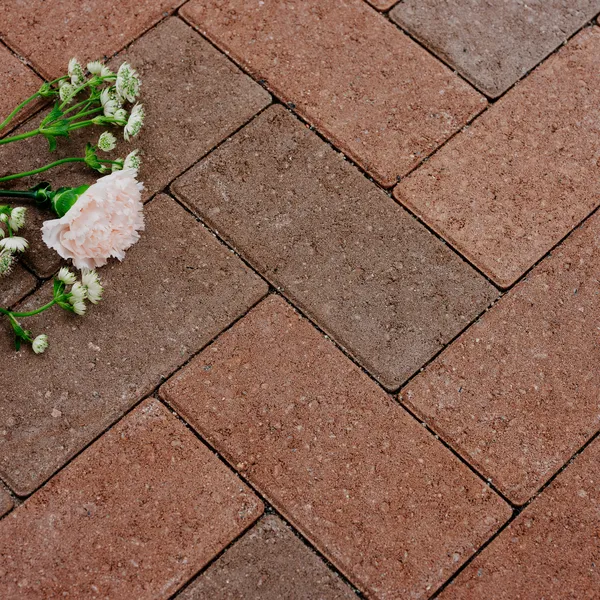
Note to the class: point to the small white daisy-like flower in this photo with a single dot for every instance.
(40, 344)
(3, 218)
(79, 307)
(135, 122)
(128, 83)
(7, 260)
(17, 217)
(78, 293)
(106, 72)
(132, 161)
(116, 166)
(107, 141)
(66, 276)
(95, 67)
(91, 282)
(120, 117)
(76, 73)
(14, 244)
(66, 92)
(110, 101)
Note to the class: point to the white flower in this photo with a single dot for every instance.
(17, 218)
(79, 308)
(40, 344)
(95, 67)
(76, 73)
(110, 101)
(120, 117)
(106, 72)
(107, 141)
(78, 293)
(132, 161)
(66, 92)
(103, 223)
(66, 276)
(3, 218)
(91, 282)
(14, 244)
(135, 122)
(128, 83)
(7, 260)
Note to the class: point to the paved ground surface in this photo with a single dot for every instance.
(355, 354)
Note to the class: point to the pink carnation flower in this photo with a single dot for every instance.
(103, 223)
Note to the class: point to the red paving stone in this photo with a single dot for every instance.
(506, 190)
(50, 32)
(176, 290)
(359, 265)
(135, 516)
(551, 551)
(268, 563)
(517, 394)
(493, 44)
(18, 83)
(372, 91)
(16, 285)
(6, 502)
(382, 4)
(366, 483)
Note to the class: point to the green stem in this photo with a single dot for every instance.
(85, 114)
(70, 109)
(17, 109)
(79, 125)
(18, 194)
(30, 313)
(21, 136)
(56, 163)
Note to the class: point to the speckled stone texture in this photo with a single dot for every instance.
(382, 4)
(366, 483)
(551, 551)
(517, 394)
(268, 563)
(18, 83)
(133, 517)
(359, 265)
(50, 32)
(493, 44)
(177, 288)
(15, 285)
(369, 88)
(509, 188)
(6, 502)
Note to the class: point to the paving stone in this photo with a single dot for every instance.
(269, 562)
(376, 94)
(509, 188)
(135, 516)
(551, 550)
(194, 98)
(50, 32)
(375, 492)
(18, 83)
(16, 285)
(176, 289)
(517, 394)
(493, 44)
(6, 502)
(362, 267)
(382, 4)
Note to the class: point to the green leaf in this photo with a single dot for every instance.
(54, 114)
(58, 288)
(51, 142)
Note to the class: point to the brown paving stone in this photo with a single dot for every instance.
(269, 562)
(50, 32)
(133, 517)
(176, 289)
(551, 551)
(365, 270)
(506, 190)
(517, 394)
(369, 88)
(18, 83)
(382, 4)
(6, 502)
(372, 489)
(16, 285)
(493, 44)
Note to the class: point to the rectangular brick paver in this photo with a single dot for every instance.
(18, 83)
(134, 517)
(493, 44)
(382, 4)
(372, 489)
(268, 563)
(15, 285)
(517, 394)
(551, 551)
(365, 270)
(505, 191)
(371, 90)
(50, 32)
(6, 502)
(177, 288)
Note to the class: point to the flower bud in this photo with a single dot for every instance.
(40, 344)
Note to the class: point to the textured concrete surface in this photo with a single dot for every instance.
(378, 96)
(135, 516)
(268, 563)
(6, 502)
(362, 267)
(15, 285)
(368, 485)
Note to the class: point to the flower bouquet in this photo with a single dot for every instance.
(94, 223)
